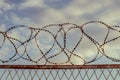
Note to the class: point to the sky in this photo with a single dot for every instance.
(38, 13)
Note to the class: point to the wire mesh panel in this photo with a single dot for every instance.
(60, 52)
(60, 72)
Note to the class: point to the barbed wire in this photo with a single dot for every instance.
(54, 32)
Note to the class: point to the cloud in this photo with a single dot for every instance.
(2, 27)
(52, 16)
(14, 1)
(78, 10)
(5, 6)
(7, 50)
(111, 16)
(57, 4)
(31, 3)
(18, 20)
(75, 11)
(112, 49)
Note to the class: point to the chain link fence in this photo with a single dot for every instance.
(60, 72)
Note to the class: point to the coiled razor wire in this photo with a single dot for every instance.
(54, 31)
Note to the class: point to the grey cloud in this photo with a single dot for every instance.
(34, 13)
(57, 4)
(14, 1)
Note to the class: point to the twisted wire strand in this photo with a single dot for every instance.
(35, 32)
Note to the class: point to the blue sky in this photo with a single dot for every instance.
(38, 13)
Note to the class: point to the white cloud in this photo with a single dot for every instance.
(4, 52)
(5, 6)
(52, 16)
(7, 50)
(112, 49)
(77, 9)
(15, 19)
(76, 60)
(2, 27)
(111, 16)
(72, 12)
(31, 3)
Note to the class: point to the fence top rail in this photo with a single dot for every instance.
(96, 66)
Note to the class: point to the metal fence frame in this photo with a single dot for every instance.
(97, 66)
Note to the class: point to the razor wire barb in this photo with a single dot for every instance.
(60, 29)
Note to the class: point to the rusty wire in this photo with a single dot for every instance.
(34, 33)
